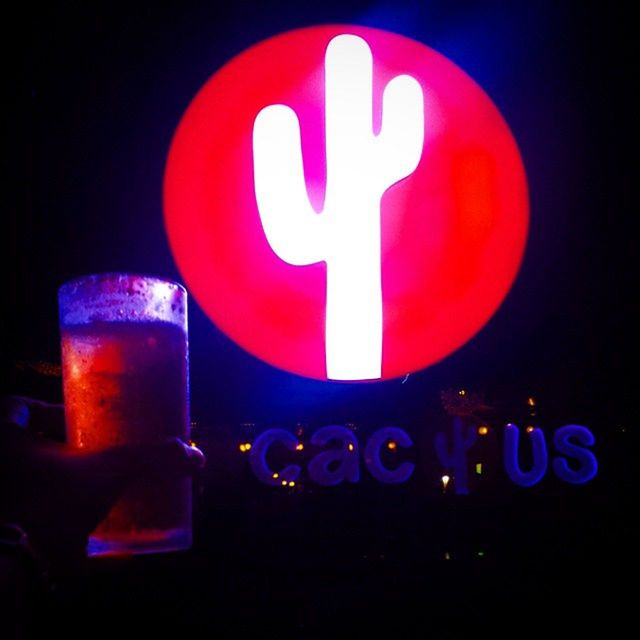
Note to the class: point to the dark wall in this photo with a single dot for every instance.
(95, 92)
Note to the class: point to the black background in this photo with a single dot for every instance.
(95, 92)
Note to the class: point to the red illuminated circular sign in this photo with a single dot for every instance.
(346, 203)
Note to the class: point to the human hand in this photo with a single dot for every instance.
(59, 494)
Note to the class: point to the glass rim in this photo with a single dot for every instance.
(122, 296)
(110, 276)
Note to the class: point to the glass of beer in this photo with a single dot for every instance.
(125, 377)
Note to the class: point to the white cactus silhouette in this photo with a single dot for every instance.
(360, 167)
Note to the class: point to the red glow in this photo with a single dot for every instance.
(453, 232)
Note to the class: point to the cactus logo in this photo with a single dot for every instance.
(345, 203)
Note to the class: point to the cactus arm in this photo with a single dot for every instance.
(292, 227)
(399, 144)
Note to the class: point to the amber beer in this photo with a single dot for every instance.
(125, 375)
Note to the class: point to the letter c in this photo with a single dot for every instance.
(374, 463)
(258, 457)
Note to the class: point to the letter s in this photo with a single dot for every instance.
(588, 463)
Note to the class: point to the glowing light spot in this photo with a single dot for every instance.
(462, 392)
(392, 445)
(245, 446)
(447, 555)
(284, 483)
(275, 476)
(299, 446)
(531, 401)
(483, 430)
(292, 483)
(480, 554)
(530, 429)
(445, 482)
(479, 468)
(192, 444)
(477, 206)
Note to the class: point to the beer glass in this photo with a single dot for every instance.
(125, 377)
